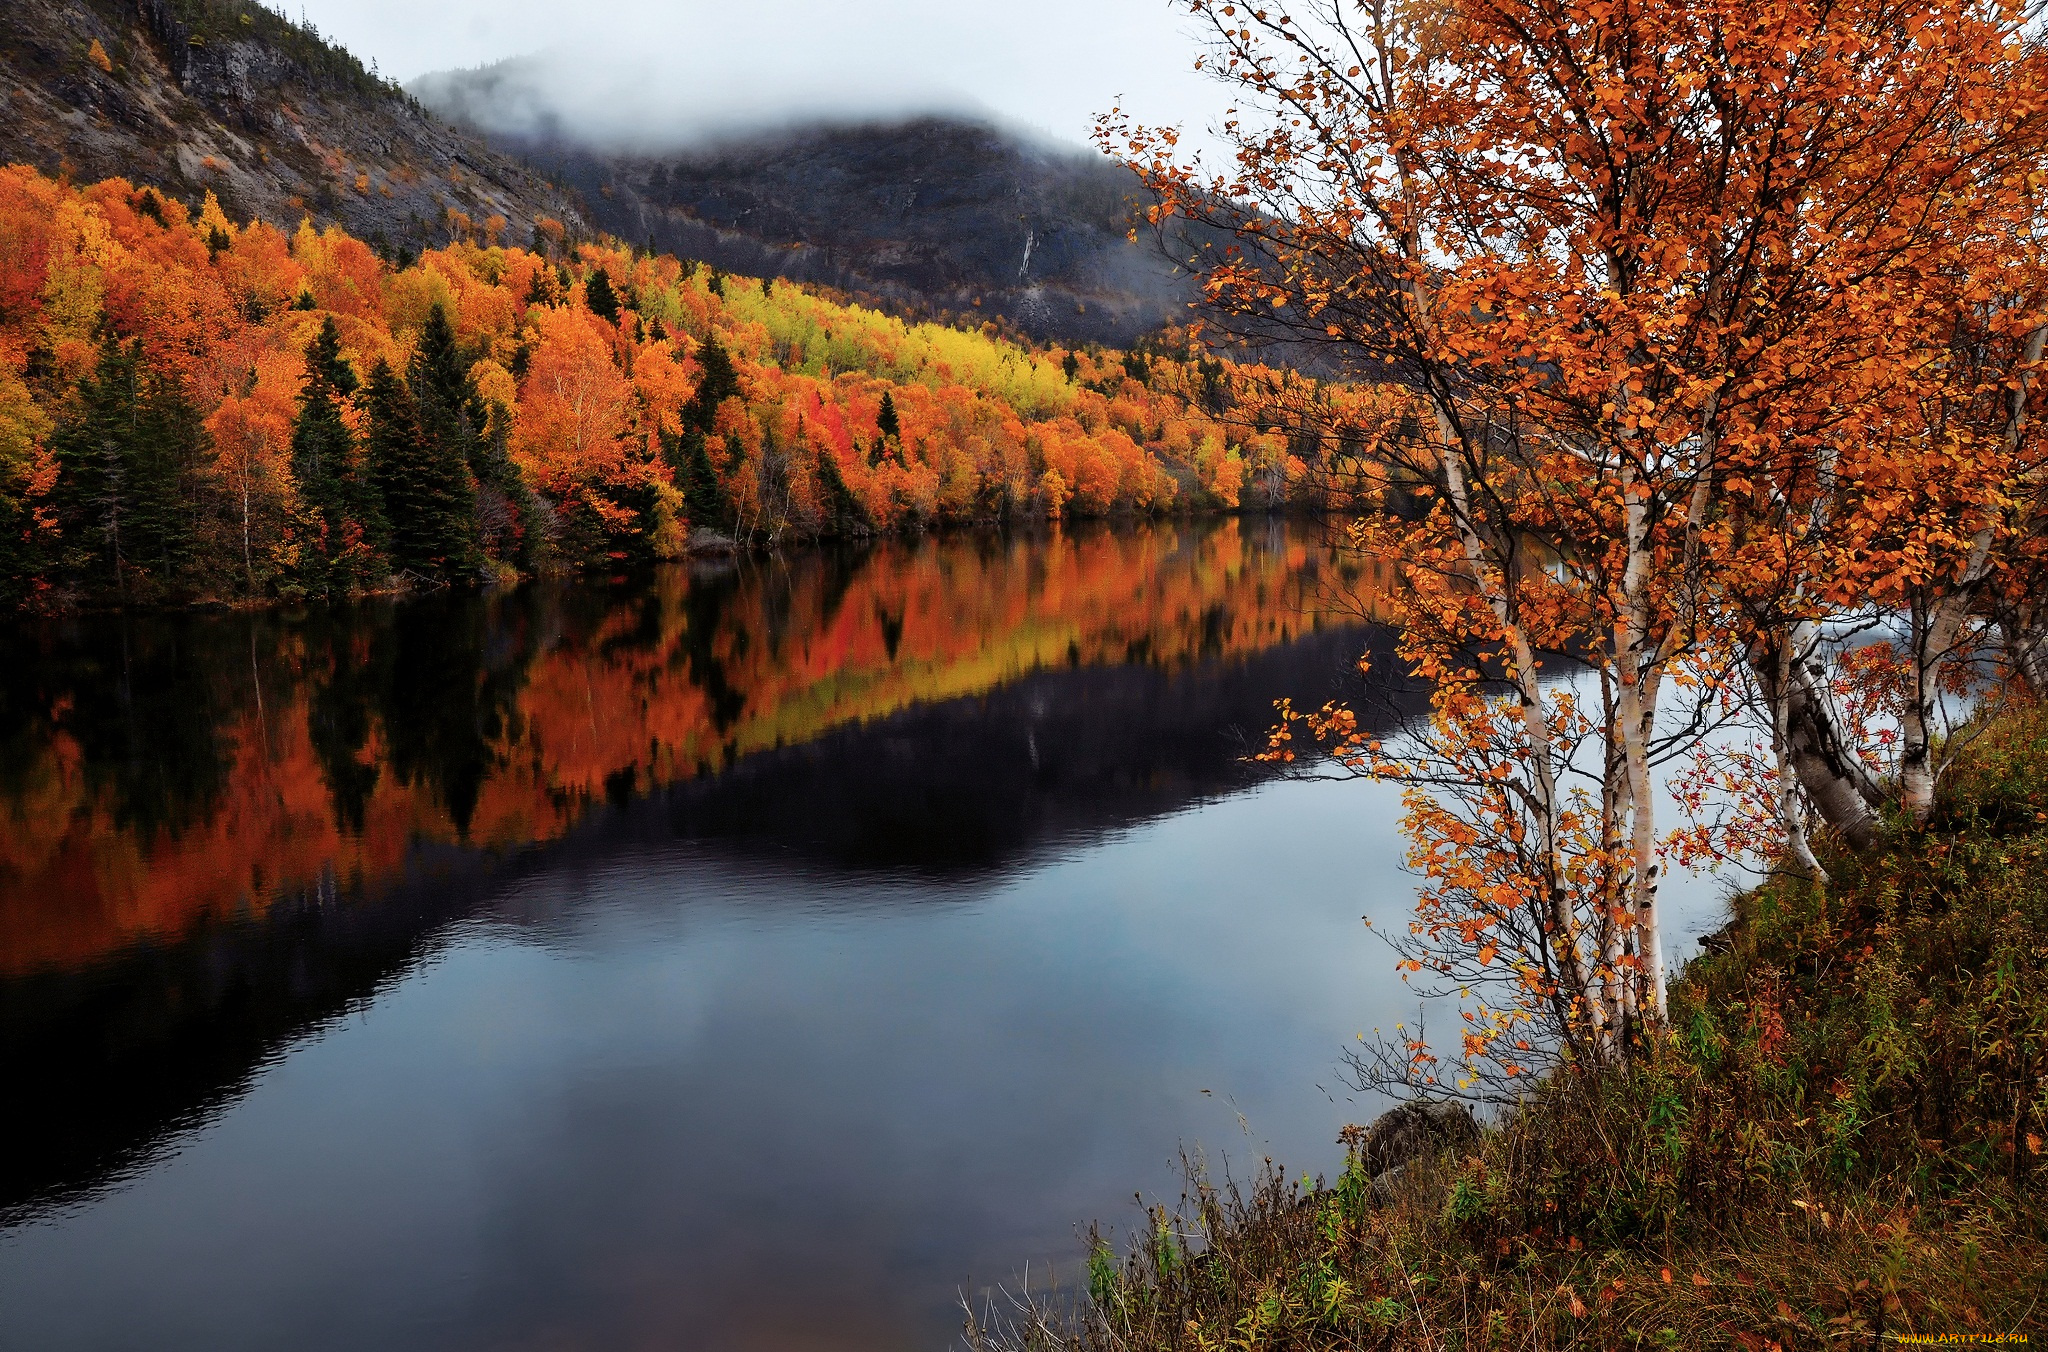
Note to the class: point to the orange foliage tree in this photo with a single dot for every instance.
(1669, 290)
(569, 420)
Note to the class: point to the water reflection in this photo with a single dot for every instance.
(809, 938)
(157, 771)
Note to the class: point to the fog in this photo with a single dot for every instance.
(648, 74)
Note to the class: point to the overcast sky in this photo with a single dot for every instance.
(1050, 65)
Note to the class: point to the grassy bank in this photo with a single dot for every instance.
(1839, 1143)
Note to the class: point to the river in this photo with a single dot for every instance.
(764, 954)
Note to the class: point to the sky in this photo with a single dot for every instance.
(681, 67)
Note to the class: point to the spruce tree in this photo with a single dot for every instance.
(168, 461)
(844, 515)
(327, 466)
(704, 497)
(888, 431)
(451, 418)
(127, 461)
(719, 383)
(439, 374)
(527, 545)
(603, 301)
(428, 503)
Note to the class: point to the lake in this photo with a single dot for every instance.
(766, 954)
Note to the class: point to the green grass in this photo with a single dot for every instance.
(1839, 1142)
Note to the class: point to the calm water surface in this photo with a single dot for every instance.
(762, 956)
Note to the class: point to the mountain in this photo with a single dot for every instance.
(929, 214)
(225, 96)
(942, 213)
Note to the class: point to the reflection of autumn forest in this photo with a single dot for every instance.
(195, 408)
(156, 771)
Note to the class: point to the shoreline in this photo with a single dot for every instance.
(724, 548)
(1839, 1136)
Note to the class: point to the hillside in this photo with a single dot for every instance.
(1837, 1143)
(224, 96)
(194, 407)
(936, 212)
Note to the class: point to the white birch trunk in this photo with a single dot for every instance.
(1636, 721)
(1938, 623)
(1798, 848)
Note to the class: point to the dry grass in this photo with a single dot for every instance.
(1838, 1144)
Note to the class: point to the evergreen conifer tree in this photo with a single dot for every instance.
(439, 374)
(429, 505)
(704, 496)
(719, 382)
(886, 422)
(451, 418)
(526, 545)
(340, 504)
(541, 290)
(888, 431)
(843, 509)
(603, 301)
(127, 460)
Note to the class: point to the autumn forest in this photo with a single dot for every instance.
(198, 408)
(651, 794)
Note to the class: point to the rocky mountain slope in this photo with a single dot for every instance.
(932, 211)
(192, 96)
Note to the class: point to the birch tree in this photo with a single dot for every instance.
(1640, 268)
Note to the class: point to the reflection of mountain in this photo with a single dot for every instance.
(217, 834)
(154, 773)
(1054, 759)
(108, 1061)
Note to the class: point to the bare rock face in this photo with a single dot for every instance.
(939, 212)
(1410, 1132)
(225, 96)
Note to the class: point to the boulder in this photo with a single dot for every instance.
(1409, 1132)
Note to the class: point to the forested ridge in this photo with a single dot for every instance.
(194, 408)
(230, 97)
